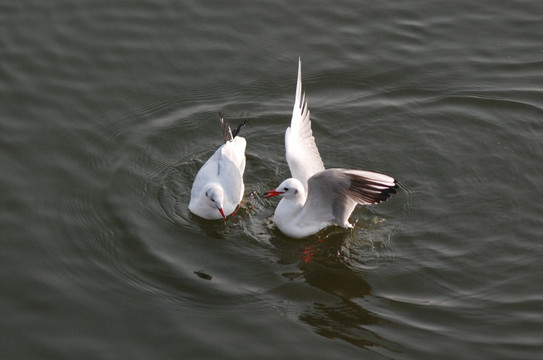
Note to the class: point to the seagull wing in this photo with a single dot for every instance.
(230, 169)
(334, 193)
(302, 155)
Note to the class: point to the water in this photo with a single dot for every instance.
(109, 108)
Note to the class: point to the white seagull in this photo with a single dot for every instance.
(218, 186)
(315, 198)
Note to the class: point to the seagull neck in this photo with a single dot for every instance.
(292, 205)
(287, 210)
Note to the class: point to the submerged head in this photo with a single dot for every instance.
(215, 198)
(290, 188)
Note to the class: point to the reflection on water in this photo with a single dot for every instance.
(325, 263)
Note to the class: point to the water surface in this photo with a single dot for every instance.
(109, 109)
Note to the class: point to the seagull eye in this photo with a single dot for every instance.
(286, 189)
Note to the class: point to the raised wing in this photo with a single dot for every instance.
(302, 155)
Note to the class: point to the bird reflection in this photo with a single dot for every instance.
(322, 264)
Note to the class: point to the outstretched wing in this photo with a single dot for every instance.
(334, 193)
(302, 155)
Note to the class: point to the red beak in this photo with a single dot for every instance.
(273, 193)
(222, 213)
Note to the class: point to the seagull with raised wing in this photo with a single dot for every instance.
(218, 187)
(315, 198)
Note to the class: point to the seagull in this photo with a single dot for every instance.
(218, 187)
(315, 198)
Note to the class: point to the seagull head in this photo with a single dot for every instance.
(290, 188)
(215, 198)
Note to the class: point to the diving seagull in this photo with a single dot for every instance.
(218, 187)
(315, 198)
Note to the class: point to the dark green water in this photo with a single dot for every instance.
(109, 108)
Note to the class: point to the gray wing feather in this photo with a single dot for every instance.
(334, 193)
(227, 132)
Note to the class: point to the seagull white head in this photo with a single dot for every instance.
(289, 189)
(215, 198)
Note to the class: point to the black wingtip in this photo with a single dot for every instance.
(229, 135)
(371, 191)
(238, 129)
